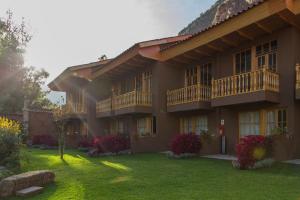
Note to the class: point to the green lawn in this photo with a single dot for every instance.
(155, 177)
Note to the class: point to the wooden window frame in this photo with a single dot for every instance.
(263, 123)
(148, 126)
(191, 120)
(240, 52)
(267, 55)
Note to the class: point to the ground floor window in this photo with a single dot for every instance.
(249, 123)
(146, 126)
(276, 121)
(117, 127)
(263, 122)
(195, 124)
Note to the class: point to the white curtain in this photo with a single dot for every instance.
(249, 123)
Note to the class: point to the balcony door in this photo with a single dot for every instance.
(243, 62)
(143, 82)
(200, 74)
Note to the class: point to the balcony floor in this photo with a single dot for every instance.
(199, 105)
(104, 114)
(253, 97)
(133, 110)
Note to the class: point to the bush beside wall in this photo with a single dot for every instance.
(186, 144)
(9, 143)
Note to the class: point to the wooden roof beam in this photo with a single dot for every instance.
(229, 42)
(202, 52)
(191, 57)
(245, 35)
(264, 28)
(291, 21)
(215, 47)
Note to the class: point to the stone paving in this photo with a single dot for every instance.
(221, 157)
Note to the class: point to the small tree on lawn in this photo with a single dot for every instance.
(60, 123)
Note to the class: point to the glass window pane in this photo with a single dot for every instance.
(249, 123)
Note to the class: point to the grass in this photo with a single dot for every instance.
(153, 176)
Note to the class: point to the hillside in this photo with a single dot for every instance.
(218, 12)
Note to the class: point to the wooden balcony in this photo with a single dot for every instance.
(257, 86)
(132, 102)
(104, 108)
(189, 98)
(297, 81)
(73, 110)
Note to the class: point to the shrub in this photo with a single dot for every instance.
(111, 143)
(85, 143)
(186, 143)
(44, 139)
(251, 149)
(9, 143)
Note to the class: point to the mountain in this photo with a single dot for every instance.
(220, 11)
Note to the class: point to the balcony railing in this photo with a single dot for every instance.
(75, 108)
(260, 80)
(130, 99)
(298, 76)
(104, 105)
(188, 94)
(134, 98)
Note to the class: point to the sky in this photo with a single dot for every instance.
(73, 32)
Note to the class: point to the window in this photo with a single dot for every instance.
(271, 122)
(266, 55)
(191, 76)
(117, 127)
(249, 123)
(193, 125)
(147, 76)
(282, 120)
(201, 125)
(243, 62)
(263, 122)
(276, 121)
(205, 75)
(145, 126)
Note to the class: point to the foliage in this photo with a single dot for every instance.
(9, 126)
(186, 143)
(111, 143)
(279, 131)
(251, 149)
(9, 143)
(44, 139)
(20, 82)
(60, 123)
(85, 143)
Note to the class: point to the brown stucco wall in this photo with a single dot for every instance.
(41, 122)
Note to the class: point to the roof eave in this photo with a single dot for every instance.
(255, 14)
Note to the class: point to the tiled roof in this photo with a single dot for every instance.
(221, 20)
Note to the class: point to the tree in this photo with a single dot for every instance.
(60, 123)
(20, 82)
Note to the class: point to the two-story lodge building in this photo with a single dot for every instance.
(237, 77)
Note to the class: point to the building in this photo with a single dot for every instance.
(237, 77)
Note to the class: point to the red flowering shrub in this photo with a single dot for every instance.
(186, 143)
(44, 139)
(251, 149)
(85, 143)
(111, 143)
(97, 143)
